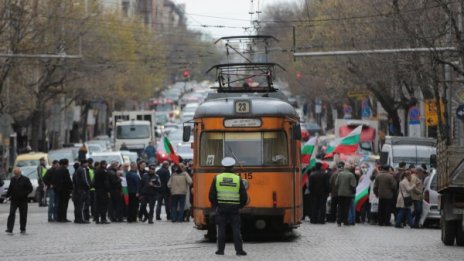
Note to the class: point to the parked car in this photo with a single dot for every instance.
(185, 151)
(30, 159)
(71, 154)
(108, 157)
(313, 128)
(31, 173)
(133, 156)
(430, 211)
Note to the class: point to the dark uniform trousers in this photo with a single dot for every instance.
(132, 208)
(343, 208)
(150, 201)
(222, 220)
(167, 205)
(116, 206)
(101, 199)
(22, 205)
(385, 210)
(63, 205)
(80, 199)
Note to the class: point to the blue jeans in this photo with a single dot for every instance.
(52, 205)
(177, 208)
(403, 213)
(352, 213)
(417, 211)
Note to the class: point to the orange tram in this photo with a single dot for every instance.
(259, 128)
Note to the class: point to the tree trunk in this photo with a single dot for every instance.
(35, 129)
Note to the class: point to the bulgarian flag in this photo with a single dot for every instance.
(362, 190)
(348, 144)
(309, 152)
(170, 150)
(125, 192)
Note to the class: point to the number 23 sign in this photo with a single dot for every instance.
(242, 106)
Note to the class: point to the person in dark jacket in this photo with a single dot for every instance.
(319, 191)
(149, 187)
(385, 189)
(81, 181)
(63, 188)
(223, 198)
(346, 189)
(141, 164)
(133, 187)
(20, 187)
(163, 192)
(101, 185)
(115, 188)
(52, 195)
(333, 192)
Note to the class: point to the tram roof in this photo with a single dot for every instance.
(223, 105)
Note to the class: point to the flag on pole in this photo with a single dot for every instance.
(307, 150)
(170, 150)
(346, 145)
(362, 190)
(310, 150)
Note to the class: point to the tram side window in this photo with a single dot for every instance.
(275, 148)
(211, 149)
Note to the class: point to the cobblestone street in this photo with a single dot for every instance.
(167, 241)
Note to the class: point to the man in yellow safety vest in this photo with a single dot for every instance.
(41, 171)
(227, 195)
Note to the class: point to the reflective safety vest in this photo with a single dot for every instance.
(43, 171)
(228, 187)
(92, 176)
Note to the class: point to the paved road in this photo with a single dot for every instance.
(180, 241)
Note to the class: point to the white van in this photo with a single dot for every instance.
(411, 150)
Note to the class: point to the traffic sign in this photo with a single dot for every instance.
(431, 112)
(460, 112)
(414, 115)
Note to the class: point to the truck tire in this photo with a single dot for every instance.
(448, 231)
(459, 234)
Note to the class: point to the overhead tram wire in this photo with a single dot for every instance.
(335, 19)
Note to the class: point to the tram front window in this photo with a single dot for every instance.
(249, 148)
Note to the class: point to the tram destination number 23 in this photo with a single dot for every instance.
(242, 106)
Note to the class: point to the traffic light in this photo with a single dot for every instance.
(186, 73)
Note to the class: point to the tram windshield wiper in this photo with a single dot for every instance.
(236, 158)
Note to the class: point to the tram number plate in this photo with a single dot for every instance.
(242, 106)
(246, 175)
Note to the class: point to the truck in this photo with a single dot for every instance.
(369, 144)
(411, 150)
(450, 169)
(135, 129)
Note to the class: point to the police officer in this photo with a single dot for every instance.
(41, 171)
(227, 195)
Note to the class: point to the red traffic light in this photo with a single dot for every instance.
(186, 73)
(298, 75)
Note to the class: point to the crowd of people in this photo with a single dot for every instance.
(112, 192)
(389, 191)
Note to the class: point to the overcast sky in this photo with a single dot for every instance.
(197, 10)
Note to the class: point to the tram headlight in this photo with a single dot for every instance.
(245, 182)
